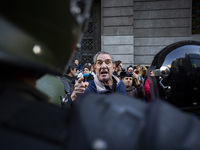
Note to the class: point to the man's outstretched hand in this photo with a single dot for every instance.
(79, 88)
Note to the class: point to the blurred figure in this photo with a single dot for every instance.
(118, 68)
(92, 70)
(68, 78)
(142, 75)
(87, 74)
(78, 65)
(137, 69)
(47, 84)
(37, 38)
(147, 91)
(130, 68)
(174, 75)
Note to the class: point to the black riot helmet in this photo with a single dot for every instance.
(40, 35)
(174, 75)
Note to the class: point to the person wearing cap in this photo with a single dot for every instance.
(137, 90)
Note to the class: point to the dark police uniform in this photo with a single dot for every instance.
(28, 121)
(93, 122)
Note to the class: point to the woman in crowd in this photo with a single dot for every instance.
(87, 73)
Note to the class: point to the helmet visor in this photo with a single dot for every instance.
(175, 74)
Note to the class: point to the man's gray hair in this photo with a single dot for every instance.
(102, 52)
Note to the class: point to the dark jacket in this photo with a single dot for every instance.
(137, 91)
(79, 67)
(68, 83)
(119, 122)
(115, 73)
(89, 78)
(29, 122)
(96, 86)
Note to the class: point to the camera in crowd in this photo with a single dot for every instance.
(125, 73)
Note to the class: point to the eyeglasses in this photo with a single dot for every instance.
(108, 63)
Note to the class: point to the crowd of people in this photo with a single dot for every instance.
(107, 76)
(133, 77)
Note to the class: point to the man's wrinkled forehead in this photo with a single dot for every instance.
(104, 57)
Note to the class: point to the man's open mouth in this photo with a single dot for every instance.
(104, 72)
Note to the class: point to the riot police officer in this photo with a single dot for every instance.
(175, 75)
(36, 38)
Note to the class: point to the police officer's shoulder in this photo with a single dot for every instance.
(105, 118)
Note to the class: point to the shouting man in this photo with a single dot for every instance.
(104, 82)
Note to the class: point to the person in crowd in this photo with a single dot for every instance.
(118, 68)
(104, 82)
(78, 64)
(68, 78)
(142, 75)
(80, 74)
(147, 91)
(92, 70)
(94, 121)
(87, 74)
(130, 68)
(137, 69)
(127, 78)
(91, 65)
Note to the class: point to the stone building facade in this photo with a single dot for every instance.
(135, 30)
